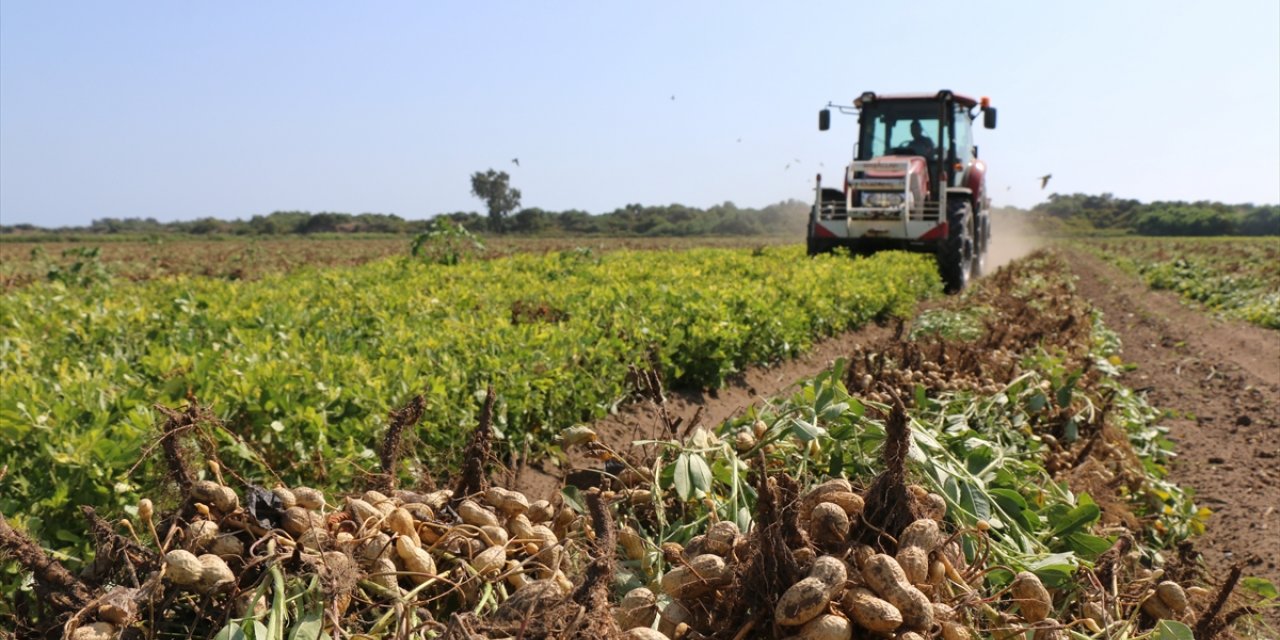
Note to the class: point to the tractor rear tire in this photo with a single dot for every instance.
(981, 246)
(957, 258)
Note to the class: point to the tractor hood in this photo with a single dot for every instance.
(890, 168)
(917, 166)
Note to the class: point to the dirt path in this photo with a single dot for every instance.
(1219, 381)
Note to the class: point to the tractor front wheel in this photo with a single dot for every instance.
(957, 257)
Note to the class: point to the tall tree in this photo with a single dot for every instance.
(494, 187)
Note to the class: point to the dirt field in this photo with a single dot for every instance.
(1219, 382)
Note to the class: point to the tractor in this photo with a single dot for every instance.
(915, 183)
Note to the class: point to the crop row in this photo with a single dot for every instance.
(146, 258)
(1239, 277)
(321, 356)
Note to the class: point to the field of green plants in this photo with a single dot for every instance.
(210, 456)
(82, 259)
(1237, 276)
(304, 367)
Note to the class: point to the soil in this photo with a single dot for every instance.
(1219, 383)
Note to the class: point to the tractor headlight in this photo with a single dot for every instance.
(882, 200)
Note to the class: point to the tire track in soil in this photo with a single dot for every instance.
(1219, 383)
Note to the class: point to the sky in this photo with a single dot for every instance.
(232, 109)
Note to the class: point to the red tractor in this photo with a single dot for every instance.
(915, 183)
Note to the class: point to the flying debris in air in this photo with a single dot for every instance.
(1044, 180)
(673, 97)
(787, 167)
(739, 139)
(515, 161)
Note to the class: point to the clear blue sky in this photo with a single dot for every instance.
(177, 110)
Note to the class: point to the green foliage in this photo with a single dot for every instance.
(494, 188)
(979, 451)
(633, 220)
(445, 242)
(1185, 221)
(965, 324)
(79, 266)
(1238, 277)
(322, 356)
(1162, 218)
(983, 452)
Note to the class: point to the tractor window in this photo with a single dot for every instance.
(964, 134)
(886, 129)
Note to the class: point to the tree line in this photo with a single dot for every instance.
(727, 219)
(1082, 213)
(1074, 213)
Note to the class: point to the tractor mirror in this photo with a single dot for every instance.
(989, 117)
(824, 120)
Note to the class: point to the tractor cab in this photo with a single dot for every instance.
(930, 134)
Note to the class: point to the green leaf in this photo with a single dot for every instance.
(1261, 586)
(806, 431)
(699, 474)
(974, 501)
(1065, 391)
(1008, 499)
(1088, 546)
(1055, 570)
(1077, 519)
(1071, 430)
(979, 459)
(1037, 403)
(684, 485)
(310, 625)
(573, 498)
(836, 465)
(233, 631)
(1173, 630)
(1015, 506)
(242, 631)
(722, 470)
(833, 411)
(856, 407)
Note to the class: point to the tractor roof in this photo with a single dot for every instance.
(958, 97)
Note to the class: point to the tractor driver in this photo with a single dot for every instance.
(920, 144)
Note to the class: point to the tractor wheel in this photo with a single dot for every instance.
(957, 258)
(980, 253)
(815, 245)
